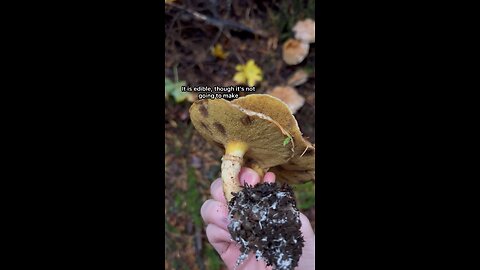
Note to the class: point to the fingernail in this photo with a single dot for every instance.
(247, 176)
(269, 177)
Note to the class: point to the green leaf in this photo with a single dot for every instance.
(175, 90)
(287, 140)
(169, 87)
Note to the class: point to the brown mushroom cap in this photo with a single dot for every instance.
(290, 96)
(274, 108)
(294, 51)
(305, 30)
(293, 177)
(298, 78)
(221, 122)
(304, 156)
(306, 160)
(299, 169)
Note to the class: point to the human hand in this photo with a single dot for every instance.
(215, 214)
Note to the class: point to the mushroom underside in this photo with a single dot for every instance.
(244, 134)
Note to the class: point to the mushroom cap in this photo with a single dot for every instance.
(289, 96)
(294, 51)
(304, 161)
(221, 122)
(293, 177)
(304, 156)
(298, 78)
(273, 107)
(305, 30)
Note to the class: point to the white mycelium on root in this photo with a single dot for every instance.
(265, 220)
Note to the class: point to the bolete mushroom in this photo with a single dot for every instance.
(301, 167)
(305, 30)
(244, 134)
(294, 51)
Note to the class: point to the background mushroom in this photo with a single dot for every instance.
(305, 30)
(289, 96)
(244, 134)
(294, 51)
(298, 78)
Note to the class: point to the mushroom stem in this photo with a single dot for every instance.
(256, 167)
(232, 162)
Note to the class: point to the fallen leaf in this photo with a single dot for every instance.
(248, 73)
(218, 52)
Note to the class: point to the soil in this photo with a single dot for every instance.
(266, 222)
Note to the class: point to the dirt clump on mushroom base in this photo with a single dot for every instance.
(266, 221)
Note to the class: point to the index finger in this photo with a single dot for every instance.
(216, 189)
(245, 176)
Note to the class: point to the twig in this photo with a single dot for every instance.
(217, 36)
(213, 7)
(220, 31)
(240, 59)
(220, 23)
(175, 72)
(229, 7)
(198, 247)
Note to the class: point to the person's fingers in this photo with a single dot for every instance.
(215, 212)
(230, 255)
(225, 246)
(229, 250)
(220, 239)
(307, 260)
(269, 177)
(251, 263)
(216, 189)
(306, 228)
(248, 176)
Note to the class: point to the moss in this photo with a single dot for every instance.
(170, 228)
(193, 198)
(305, 194)
(178, 201)
(213, 261)
(193, 204)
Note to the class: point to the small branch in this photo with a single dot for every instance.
(217, 36)
(220, 23)
(229, 7)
